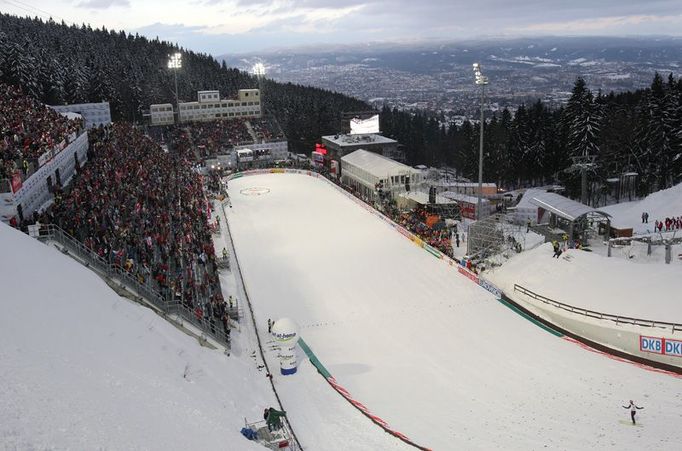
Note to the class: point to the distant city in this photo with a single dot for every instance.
(438, 76)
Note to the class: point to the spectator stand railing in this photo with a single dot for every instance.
(117, 275)
(672, 327)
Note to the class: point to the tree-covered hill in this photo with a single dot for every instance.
(639, 131)
(57, 64)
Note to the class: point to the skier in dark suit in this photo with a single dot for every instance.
(633, 410)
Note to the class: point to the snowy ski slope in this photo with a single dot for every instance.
(434, 355)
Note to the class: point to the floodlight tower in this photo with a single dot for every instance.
(481, 80)
(258, 70)
(175, 63)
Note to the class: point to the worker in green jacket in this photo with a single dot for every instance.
(273, 419)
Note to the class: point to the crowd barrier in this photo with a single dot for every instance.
(47, 233)
(643, 340)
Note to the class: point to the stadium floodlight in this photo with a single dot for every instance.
(258, 69)
(481, 80)
(175, 63)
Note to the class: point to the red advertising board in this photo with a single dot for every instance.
(16, 181)
(468, 210)
(468, 273)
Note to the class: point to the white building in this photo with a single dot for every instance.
(94, 114)
(21, 195)
(340, 145)
(162, 114)
(209, 106)
(364, 170)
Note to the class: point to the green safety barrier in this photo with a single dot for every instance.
(513, 307)
(313, 359)
(432, 251)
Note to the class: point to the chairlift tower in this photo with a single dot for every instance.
(583, 163)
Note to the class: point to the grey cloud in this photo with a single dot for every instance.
(103, 4)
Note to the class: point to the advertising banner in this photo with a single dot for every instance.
(659, 345)
(16, 181)
(490, 287)
(468, 210)
(468, 273)
(44, 158)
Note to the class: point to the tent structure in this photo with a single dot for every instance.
(567, 214)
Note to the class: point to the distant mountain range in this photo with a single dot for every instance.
(438, 75)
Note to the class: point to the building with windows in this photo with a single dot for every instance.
(341, 145)
(162, 114)
(209, 106)
(94, 114)
(367, 171)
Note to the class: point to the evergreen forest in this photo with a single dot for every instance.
(637, 131)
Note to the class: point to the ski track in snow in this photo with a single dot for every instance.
(434, 355)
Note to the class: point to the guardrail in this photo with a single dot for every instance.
(239, 278)
(116, 274)
(599, 315)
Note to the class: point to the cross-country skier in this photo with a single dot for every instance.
(633, 410)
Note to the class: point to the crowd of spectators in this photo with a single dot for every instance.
(668, 224)
(28, 129)
(267, 129)
(210, 138)
(145, 211)
(415, 222)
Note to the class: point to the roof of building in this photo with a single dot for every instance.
(453, 195)
(563, 206)
(422, 197)
(377, 165)
(455, 184)
(354, 140)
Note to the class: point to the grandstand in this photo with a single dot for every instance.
(40, 151)
(135, 207)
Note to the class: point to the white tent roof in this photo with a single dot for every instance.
(377, 165)
(423, 198)
(562, 206)
(463, 197)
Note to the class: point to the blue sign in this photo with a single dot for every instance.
(490, 287)
(651, 344)
(673, 347)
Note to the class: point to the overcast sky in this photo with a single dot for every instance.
(238, 26)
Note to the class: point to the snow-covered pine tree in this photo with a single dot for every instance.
(583, 117)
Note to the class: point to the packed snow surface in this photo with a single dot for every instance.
(595, 282)
(659, 205)
(82, 368)
(434, 355)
